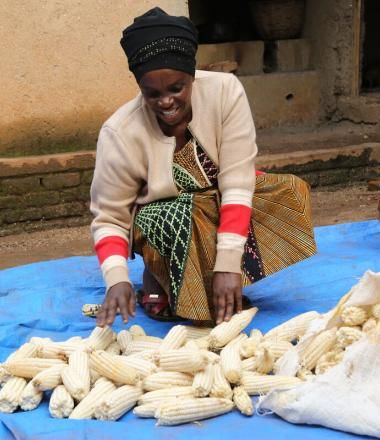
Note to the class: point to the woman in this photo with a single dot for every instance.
(174, 181)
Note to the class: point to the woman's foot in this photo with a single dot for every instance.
(156, 306)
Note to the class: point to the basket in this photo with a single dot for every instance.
(278, 19)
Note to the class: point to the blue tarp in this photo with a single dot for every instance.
(45, 299)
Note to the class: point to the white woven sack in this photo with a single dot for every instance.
(365, 293)
(346, 397)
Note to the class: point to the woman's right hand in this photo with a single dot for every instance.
(120, 296)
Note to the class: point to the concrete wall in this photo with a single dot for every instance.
(63, 71)
(329, 28)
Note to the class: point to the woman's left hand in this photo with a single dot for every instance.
(227, 295)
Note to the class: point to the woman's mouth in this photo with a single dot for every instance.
(169, 114)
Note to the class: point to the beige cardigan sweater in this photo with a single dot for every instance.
(134, 165)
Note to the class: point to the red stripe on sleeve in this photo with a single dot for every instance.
(234, 219)
(112, 245)
(259, 173)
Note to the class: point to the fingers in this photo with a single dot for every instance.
(219, 306)
(238, 301)
(101, 317)
(124, 306)
(132, 305)
(111, 311)
(229, 308)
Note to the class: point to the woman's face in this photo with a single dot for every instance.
(168, 94)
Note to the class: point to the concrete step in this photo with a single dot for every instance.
(310, 137)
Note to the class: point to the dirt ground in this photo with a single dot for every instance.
(329, 206)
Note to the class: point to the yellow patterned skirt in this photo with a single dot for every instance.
(281, 234)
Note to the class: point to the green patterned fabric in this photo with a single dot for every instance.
(166, 225)
(184, 179)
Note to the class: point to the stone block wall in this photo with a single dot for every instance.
(45, 192)
(334, 166)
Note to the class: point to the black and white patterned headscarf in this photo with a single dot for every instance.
(157, 40)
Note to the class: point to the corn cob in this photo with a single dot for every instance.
(220, 386)
(146, 411)
(86, 407)
(212, 357)
(346, 336)
(10, 394)
(30, 397)
(292, 329)
(39, 341)
(203, 381)
(137, 346)
(113, 348)
(320, 345)
(230, 360)
(4, 375)
(375, 311)
(328, 360)
(91, 309)
(113, 368)
(166, 379)
(175, 338)
(100, 338)
(223, 333)
(165, 394)
(202, 343)
(94, 376)
(147, 338)
(61, 403)
(147, 355)
(74, 340)
(190, 344)
(80, 367)
(369, 325)
(353, 315)
(51, 351)
(61, 350)
(118, 403)
(27, 350)
(185, 361)
(124, 338)
(249, 346)
(264, 361)
(277, 348)
(248, 364)
(304, 374)
(242, 401)
(197, 332)
(136, 330)
(48, 379)
(29, 367)
(256, 333)
(143, 367)
(262, 384)
(190, 410)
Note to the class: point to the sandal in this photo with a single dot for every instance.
(157, 306)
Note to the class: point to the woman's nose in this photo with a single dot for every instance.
(165, 102)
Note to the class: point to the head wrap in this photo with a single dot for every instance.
(157, 40)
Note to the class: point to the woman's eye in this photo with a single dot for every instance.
(153, 95)
(177, 89)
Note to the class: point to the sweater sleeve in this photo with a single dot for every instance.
(236, 179)
(113, 193)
